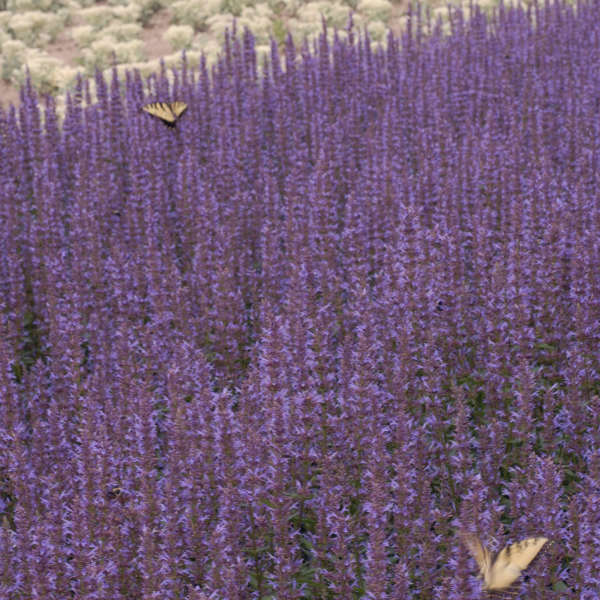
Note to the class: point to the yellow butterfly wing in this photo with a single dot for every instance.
(168, 112)
(521, 553)
(506, 567)
(160, 110)
(479, 552)
(178, 108)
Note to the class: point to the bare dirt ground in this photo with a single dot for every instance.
(152, 35)
(8, 94)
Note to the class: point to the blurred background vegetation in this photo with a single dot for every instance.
(54, 40)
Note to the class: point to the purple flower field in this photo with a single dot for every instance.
(290, 348)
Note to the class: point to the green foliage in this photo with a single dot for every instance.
(279, 31)
(233, 7)
(148, 9)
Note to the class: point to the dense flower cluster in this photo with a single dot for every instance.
(289, 348)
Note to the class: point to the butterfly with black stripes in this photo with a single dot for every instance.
(500, 571)
(167, 112)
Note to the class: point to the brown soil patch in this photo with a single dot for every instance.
(64, 48)
(398, 11)
(9, 94)
(152, 35)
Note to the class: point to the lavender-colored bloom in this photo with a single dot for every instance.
(349, 306)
